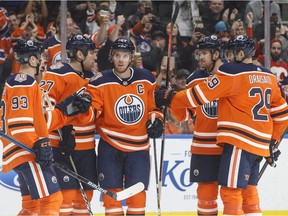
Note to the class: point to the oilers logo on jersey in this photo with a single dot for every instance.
(129, 109)
(210, 110)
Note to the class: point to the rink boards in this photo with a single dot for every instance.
(178, 194)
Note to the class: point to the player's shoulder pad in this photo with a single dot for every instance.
(143, 74)
(20, 79)
(60, 68)
(237, 68)
(197, 74)
(102, 77)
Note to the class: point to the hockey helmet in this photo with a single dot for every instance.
(244, 43)
(27, 48)
(209, 42)
(79, 42)
(123, 44)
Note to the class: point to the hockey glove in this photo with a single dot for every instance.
(155, 129)
(163, 97)
(274, 153)
(43, 151)
(67, 145)
(75, 104)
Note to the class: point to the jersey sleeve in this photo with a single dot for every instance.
(206, 91)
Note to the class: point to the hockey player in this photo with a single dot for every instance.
(24, 121)
(60, 80)
(205, 158)
(251, 114)
(126, 118)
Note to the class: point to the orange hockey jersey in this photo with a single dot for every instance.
(60, 81)
(22, 112)
(251, 109)
(205, 128)
(52, 46)
(123, 108)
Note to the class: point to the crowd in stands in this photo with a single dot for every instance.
(147, 23)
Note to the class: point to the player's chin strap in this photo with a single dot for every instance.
(37, 67)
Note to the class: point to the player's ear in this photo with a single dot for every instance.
(80, 56)
(216, 55)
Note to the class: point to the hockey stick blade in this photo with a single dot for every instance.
(134, 189)
(130, 191)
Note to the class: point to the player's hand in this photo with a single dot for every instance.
(154, 128)
(274, 153)
(163, 97)
(68, 143)
(75, 104)
(43, 151)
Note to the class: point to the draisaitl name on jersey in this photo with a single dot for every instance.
(259, 79)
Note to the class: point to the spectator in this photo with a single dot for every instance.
(181, 50)
(257, 8)
(114, 31)
(28, 30)
(278, 66)
(213, 15)
(221, 31)
(79, 13)
(39, 10)
(239, 28)
(13, 23)
(144, 7)
(284, 39)
(187, 10)
(152, 59)
(3, 30)
(52, 45)
(181, 77)
(98, 16)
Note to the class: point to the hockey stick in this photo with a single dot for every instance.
(85, 198)
(126, 193)
(174, 17)
(156, 170)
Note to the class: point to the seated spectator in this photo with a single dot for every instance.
(173, 126)
(181, 77)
